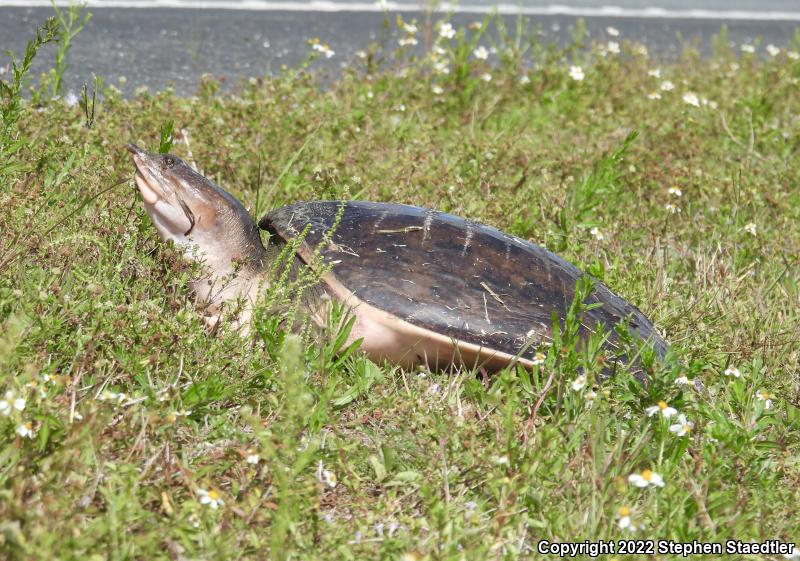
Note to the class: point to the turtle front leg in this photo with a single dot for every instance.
(212, 322)
(240, 324)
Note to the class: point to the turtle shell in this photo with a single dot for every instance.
(454, 277)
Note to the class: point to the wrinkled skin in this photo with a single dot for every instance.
(208, 224)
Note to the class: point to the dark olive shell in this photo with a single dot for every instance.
(452, 276)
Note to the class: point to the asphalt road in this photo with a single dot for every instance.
(159, 47)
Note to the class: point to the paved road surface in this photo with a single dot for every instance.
(158, 47)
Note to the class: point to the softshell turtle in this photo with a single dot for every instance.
(425, 287)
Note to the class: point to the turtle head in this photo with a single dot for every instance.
(196, 214)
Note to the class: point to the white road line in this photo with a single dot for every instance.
(503, 8)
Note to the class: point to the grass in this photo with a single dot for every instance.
(136, 413)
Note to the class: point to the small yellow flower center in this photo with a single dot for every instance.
(687, 427)
(624, 511)
(539, 356)
(764, 395)
(214, 495)
(662, 405)
(647, 475)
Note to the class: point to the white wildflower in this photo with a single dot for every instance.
(667, 86)
(212, 498)
(538, 359)
(675, 191)
(576, 73)
(613, 31)
(481, 53)
(748, 48)
(673, 209)
(326, 477)
(773, 50)
(647, 477)
(750, 228)
(682, 381)
(114, 397)
(613, 47)
(25, 430)
(625, 522)
(598, 235)
(794, 55)
(691, 99)
(407, 41)
(173, 416)
(578, 383)
(38, 387)
(324, 48)
(682, 427)
(410, 28)
(447, 31)
(654, 95)
(764, 397)
(663, 408)
(7, 403)
(486, 77)
(732, 371)
(655, 73)
(441, 67)
(524, 79)
(437, 90)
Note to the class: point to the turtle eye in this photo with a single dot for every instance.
(169, 161)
